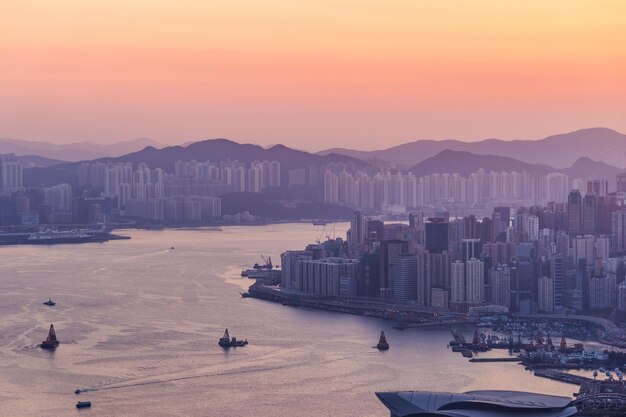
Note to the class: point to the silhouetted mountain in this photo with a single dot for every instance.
(73, 151)
(224, 149)
(30, 161)
(560, 151)
(207, 150)
(587, 168)
(466, 163)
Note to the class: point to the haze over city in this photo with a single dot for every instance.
(311, 75)
(348, 208)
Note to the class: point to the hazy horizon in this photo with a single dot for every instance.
(361, 75)
(267, 144)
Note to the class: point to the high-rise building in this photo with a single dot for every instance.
(423, 279)
(474, 278)
(557, 276)
(10, 173)
(599, 188)
(358, 231)
(500, 279)
(618, 234)
(405, 278)
(471, 248)
(389, 251)
(621, 181)
(601, 289)
(457, 281)
(546, 294)
(621, 296)
(589, 214)
(524, 273)
(574, 212)
(436, 234)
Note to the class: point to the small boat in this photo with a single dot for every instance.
(51, 341)
(172, 248)
(226, 341)
(83, 404)
(382, 342)
(49, 303)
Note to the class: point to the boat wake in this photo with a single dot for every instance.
(180, 378)
(131, 384)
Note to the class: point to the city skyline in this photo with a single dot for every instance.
(312, 76)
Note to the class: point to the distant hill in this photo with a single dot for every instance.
(224, 149)
(588, 168)
(466, 163)
(30, 161)
(207, 150)
(560, 151)
(78, 151)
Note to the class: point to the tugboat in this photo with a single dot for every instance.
(226, 341)
(382, 342)
(51, 342)
(49, 303)
(83, 404)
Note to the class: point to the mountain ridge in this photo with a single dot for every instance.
(559, 150)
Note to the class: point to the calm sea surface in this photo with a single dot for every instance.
(139, 322)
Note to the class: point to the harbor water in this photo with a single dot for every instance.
(139, 320)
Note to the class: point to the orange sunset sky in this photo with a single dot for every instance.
(309, 74)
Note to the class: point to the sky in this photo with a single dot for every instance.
(310, 74)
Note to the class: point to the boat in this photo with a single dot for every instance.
(51, 341)
(53, 236)
(49, 303)
(226, 341)
(83, 404)
(382, 342)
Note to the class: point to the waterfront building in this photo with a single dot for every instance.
(557, 275)
(439, 298)
(323, 276)
(10, 173)
(500, 279)
(292, 269)
(389, 251)
(474, 279)
(457, 278)
(475, 404)
(524, 273)
(58, 197)
(424, 279)
(369, 278)
(546, 294)
(405, 278)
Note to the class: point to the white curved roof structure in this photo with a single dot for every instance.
(475, 404)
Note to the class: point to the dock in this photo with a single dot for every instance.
(562, 377)
(508, 359)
